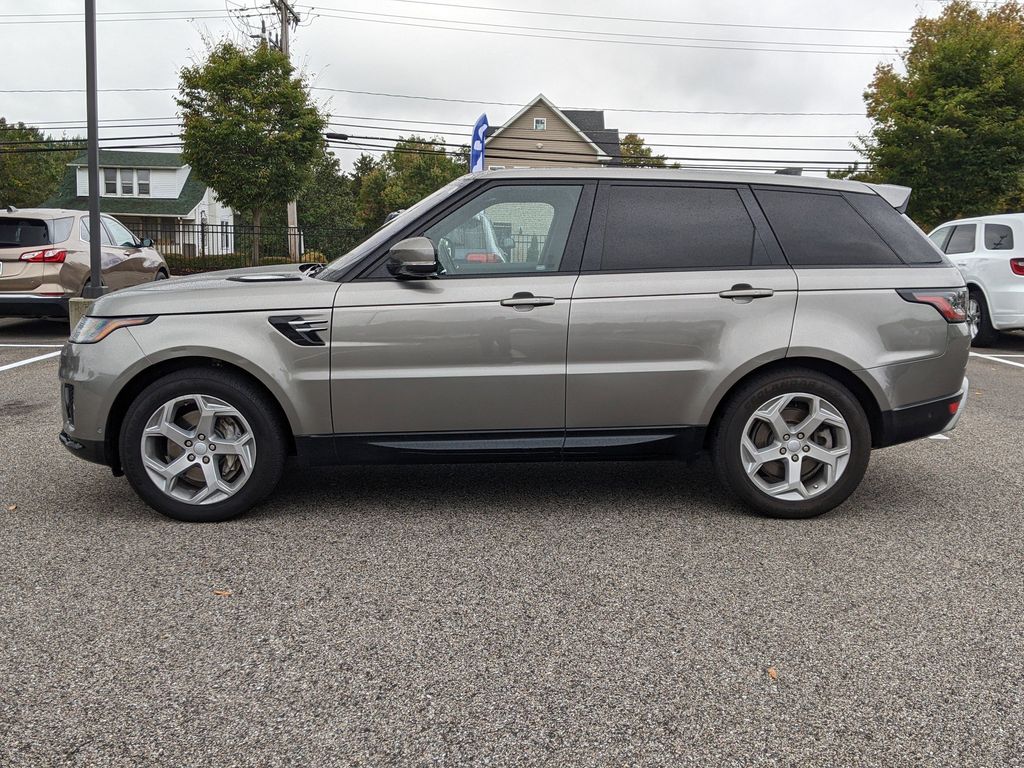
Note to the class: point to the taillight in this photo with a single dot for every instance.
(482, 258)
(1017, 266)
(45, 256)
(951, 303)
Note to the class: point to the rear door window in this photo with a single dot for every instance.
(17, 232)
(818, 229)
(120, 233)
(677, 227)
(998, 237)
(962, 239)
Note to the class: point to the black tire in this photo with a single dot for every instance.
(251, 401)
(987, 336)
(160, 275)
(727, 434)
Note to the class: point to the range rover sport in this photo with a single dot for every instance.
(786, 324)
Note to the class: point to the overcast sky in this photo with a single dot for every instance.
(397, 54)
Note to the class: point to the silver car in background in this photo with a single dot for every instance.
(788, 325)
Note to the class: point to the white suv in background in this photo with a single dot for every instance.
(989, 250)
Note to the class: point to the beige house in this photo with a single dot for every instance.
(541, 135)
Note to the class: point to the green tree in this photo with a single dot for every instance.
(952, 124)
(32, 164)
(251, 130)
(636, 153)
(402, 176)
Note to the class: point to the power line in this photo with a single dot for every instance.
(649, 21)
(602, 33)
(595, 40)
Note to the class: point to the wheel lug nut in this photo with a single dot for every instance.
(782, 451)
(202, 437)
(795, 457)
(191, 457)
(188, 443)
(807, 449)
(213, 447)
(785, 437)
(800, 436)
(206, 459)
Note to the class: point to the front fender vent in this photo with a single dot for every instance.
(304, 331)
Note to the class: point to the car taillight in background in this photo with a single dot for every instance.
(482, 258)
(45, 256)
(1017, 266)
(951, 303)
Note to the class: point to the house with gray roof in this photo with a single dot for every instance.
(541, 135)
(155, 194)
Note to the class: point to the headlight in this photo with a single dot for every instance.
(92, 329)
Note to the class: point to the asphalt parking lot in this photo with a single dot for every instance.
(516, 615)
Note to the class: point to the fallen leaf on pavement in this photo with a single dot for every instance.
(11, 507)
(773, 673)
(222, 592)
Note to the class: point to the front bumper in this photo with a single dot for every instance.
(95, 451)
(33, 305)
(922, 420)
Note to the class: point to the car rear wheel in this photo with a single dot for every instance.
(978, 321)
(202, 445)
(792, 444)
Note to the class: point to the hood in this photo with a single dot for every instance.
(269, 288)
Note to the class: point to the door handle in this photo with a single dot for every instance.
(525, 301)
(744, 291)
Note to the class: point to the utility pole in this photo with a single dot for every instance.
(289, 17)
(95, 288)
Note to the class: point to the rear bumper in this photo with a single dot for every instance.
(33, 305)
(916, 421)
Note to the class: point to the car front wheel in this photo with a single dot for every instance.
(792, 444)
(202, 445)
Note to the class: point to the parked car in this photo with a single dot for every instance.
(44, 259)
(989, 251)
(787, 324)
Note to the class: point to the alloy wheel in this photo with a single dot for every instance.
(795, 446)
(198, 449)
(973, 316)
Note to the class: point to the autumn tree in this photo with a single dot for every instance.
(636, 153)
(950, 121)
(250, 128)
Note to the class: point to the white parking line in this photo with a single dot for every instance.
(938, 437)
(47, 356)
(31, 346)
(995, 359)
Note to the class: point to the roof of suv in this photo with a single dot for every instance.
(681, 174)
(39, 213)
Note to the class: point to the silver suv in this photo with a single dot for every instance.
(789, 325)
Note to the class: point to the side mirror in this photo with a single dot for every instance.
(146, 242)
(414, 257)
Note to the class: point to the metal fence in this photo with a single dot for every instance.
(192, 248)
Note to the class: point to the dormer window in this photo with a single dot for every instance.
(540, 123)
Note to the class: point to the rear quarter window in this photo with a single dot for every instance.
(963, 238)
(998, 237)
(818, 229)
(899, 233)
(62, 228)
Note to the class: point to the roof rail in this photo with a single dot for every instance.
(895, 195)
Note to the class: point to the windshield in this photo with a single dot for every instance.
(337, 267)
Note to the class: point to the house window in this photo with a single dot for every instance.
(495, 167)
(110, 181)
(142, 177)
(540, 123)
(127, 182)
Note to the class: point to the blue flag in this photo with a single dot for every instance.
(476, 150)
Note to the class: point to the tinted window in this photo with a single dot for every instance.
(899, 232)
(962, 239)
(939, 237)
(663, 227)
(21, 232)
(507, 230)
(998, 237)
(817, 229)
